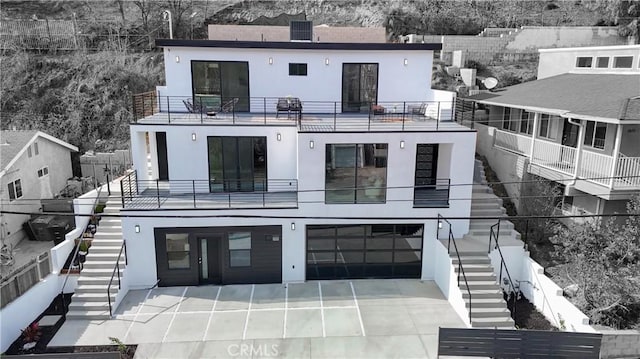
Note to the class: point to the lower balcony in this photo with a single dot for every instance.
(622, 173)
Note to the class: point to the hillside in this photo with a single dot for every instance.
(84, 96)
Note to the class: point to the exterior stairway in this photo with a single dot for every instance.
(89, 300)
(488, 308)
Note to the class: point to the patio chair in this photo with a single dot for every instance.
(198, 108)
(282, 106)
(230, 105)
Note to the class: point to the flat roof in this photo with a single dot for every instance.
(296, 45)
(597, 96)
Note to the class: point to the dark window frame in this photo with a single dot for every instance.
(592, 137)
(243, 250)
(188, 252)
(617, 59)
(225, 189)
(584, 62)
(15, 189)
(602, 62)
(298, 69)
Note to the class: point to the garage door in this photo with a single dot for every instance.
(364, 251)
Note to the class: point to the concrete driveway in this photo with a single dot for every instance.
(328, 319)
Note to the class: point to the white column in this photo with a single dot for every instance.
(536, 121)
(616, 154)
(579, 149)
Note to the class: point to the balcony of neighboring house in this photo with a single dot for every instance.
(307, 116)
(601, 154)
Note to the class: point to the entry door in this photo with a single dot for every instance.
(426, 173)
(570, 134)
(163, 164)
(209, 262)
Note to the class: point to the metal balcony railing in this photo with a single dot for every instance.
(308, 116)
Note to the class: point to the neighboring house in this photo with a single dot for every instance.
(578, 125)
(33, 166)
(322, 161)
(320, 33)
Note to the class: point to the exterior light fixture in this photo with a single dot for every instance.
(279, 137)
(439, 224)
(137, 228)
(326, 61)
(193, 136)
(406, 62)
(293, 226)
(402, 144)
(270, 60)
(311, 144)
(178, 59)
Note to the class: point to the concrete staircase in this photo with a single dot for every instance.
(488, 308)
(89, 301)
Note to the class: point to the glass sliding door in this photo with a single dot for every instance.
(356, 173)
(237, 164)
(218, 82)
(359, 87)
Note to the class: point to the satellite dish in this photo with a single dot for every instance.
(490, 82)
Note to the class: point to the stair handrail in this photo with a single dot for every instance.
(77, 248)
(116, 269)
(452, 238)
(493, 236)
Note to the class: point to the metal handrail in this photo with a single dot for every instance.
(493, 235)
(116, 269)
(77, 247)
(452, 238)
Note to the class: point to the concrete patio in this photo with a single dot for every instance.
(328, 319)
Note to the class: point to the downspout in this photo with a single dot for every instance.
(578, 152)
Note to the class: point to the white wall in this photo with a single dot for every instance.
(396, 82)
(558, 61)
(547, 297)
(447, 280)
(18, 314)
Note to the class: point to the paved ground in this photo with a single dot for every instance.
(329, 319)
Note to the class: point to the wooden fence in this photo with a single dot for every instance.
(23, 278)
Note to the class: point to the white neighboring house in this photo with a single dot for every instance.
(33, 166)
(578, 124)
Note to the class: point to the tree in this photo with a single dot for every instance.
(623, 13)
(604, 260)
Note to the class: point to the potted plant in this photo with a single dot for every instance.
(30, 336)
(83, 249)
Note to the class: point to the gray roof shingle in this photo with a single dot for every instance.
(11, 142)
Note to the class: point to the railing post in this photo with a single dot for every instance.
(108, 184)
(109, 298)
(233, 111)
(158, 191)
(122, 192)
(264, 109)
(118, 266)
(193, 186)
(124, 245)
(335, 114)
(404, 109)
(168, 111)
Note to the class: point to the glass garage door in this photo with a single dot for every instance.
(364, 251)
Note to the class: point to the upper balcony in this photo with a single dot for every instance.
(307, 116)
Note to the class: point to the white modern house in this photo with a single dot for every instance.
(281, 162)
(577, 125)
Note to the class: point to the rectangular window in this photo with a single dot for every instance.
(178, 254)
(506, 117)
(595, 134)
(43, 171)
(526, 122)
(297, 69)
(622, 62)
(35, 148)
(29, 154)
(237, 164)
(602, 62)
(584, 61)
(239, 249)
(219, 83)
(548, 126)
(15, 190)
(355, 173)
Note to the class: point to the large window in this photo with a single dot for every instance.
(15, 190)
(216, 83)
(595, 134)
(526, 122)
(364, 251)
(356, 173)
(506, 118)
(239, 249)
(602, 62)
(359, 87)
(237, 164)
(178, 255)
